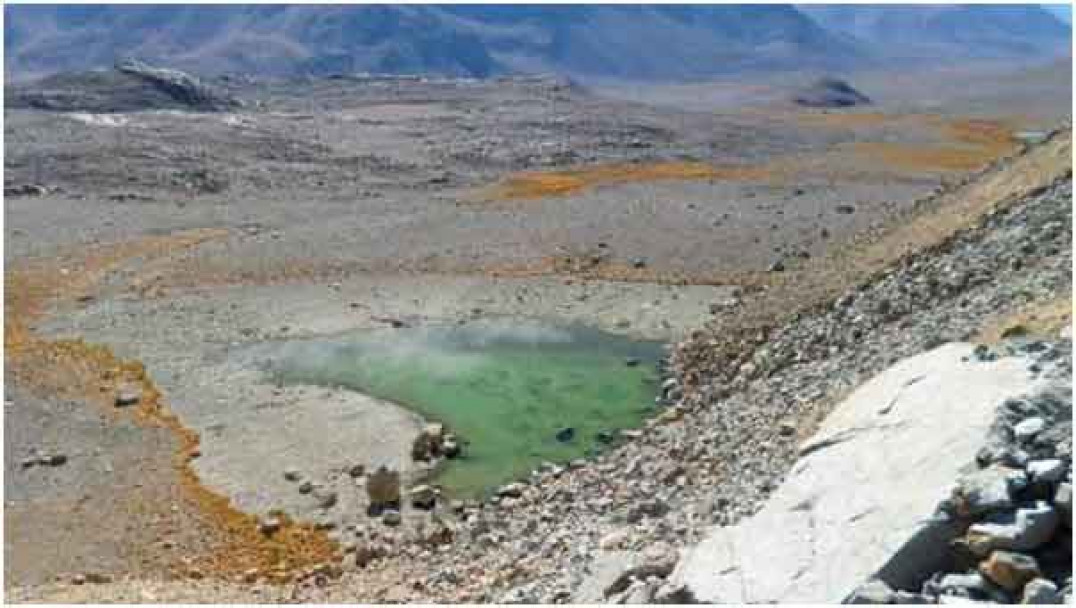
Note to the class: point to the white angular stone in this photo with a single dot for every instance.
(856, 505)
(1046, 471)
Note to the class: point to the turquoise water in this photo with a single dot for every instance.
(505, 389)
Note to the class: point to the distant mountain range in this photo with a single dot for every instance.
(959, 32)
(666, 42)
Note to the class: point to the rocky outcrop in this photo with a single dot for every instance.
(182, 87)
(131, 86)
(858, 501)
(1012, 515)
(830, 93)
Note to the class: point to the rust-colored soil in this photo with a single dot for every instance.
(949, 145)
(539, 184)
(959, 144)
(845, 119)
(74, 369)
(923, 157)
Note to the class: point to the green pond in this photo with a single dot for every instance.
(505, 389)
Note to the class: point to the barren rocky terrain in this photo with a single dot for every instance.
(785, 254)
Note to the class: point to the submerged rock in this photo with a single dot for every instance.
(512, 490)
(428, 445)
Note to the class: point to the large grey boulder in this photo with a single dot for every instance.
(856, 505)
(990, 489)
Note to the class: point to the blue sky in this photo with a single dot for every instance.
(1061, 10)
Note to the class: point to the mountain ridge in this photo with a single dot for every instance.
(619, 41)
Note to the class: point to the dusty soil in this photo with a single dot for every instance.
(169, 242)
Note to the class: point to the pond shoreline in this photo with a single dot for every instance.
(252, 430)
(518, 393)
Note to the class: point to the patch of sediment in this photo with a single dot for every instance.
(541, 184)
(954, 145)
(78, 370)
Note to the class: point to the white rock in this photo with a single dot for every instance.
(856, 504)
(1040, 591)
(512, 490)
(128, 394)
(1028, 428)
(269, 525)
(1046, 471)
(1063, 499)
(613, 540)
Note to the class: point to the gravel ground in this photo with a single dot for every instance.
(105, 468)
(359, 204)
(714, 458)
